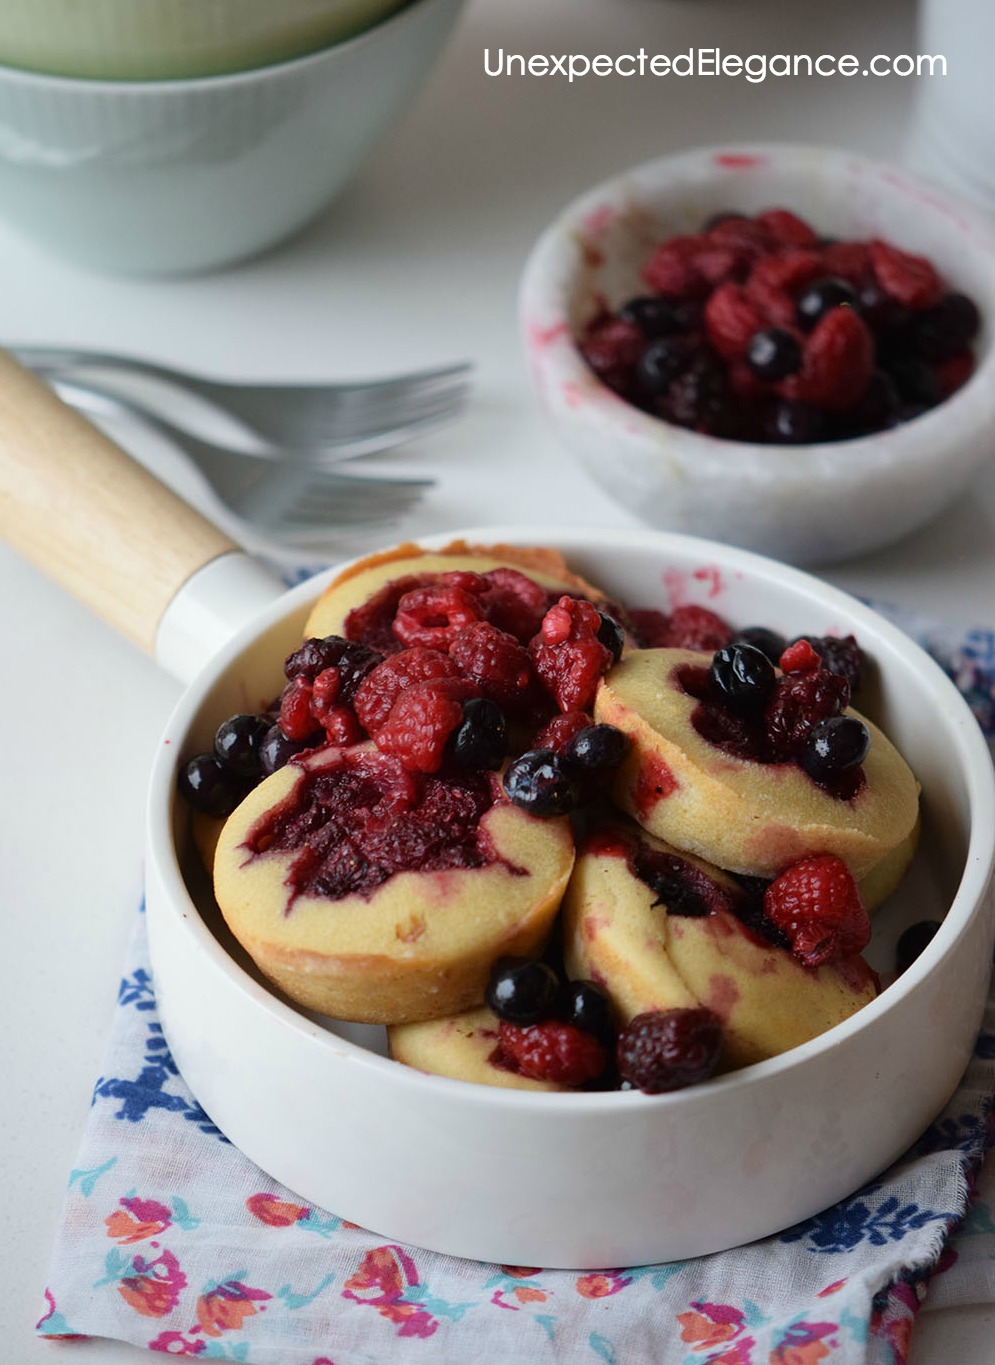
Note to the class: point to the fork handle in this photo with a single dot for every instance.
(91, 518)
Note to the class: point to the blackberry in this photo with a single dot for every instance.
(665, 1050)
(351, 660)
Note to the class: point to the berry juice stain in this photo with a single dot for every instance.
(654, 784)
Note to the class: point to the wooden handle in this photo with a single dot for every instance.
(74, 504)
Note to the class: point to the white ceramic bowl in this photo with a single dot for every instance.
(591, 1180)
(160, 177)
(164, 39)
(803, 504)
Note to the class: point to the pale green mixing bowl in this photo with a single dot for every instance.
(163, 39)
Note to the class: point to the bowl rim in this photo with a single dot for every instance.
(546, 284)
(971, 899)
(108, 86)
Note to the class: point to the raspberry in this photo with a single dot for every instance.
(552, 1051)
(840, 654)
(514, 603)
(612, 347)
(731, 318)
(838, 361)
(567, 654)
(816, 903)
(351, 661)
(786, 272)
(649, 626)
(495, 661)
(557, 733)
(775, 303)
(665, 1050)
(296, 720)
(787, 228)
(850, 261)
(693, 627)
(672, 272)
(433, 616)
(800, 656)
(381, 688)
(910, 279)
(420, 722)
(341, 726)
(719, 264)
(800, 701)
(745, 234)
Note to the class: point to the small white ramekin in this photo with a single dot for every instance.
(802, 504)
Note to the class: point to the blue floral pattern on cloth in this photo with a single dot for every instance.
(173, 1241)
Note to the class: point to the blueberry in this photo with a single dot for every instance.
(611, 635)
(237, 742)
(877, 407)
(821, 298)
(773, 354)
(939, 333)
(480, 740)
(589, 1007)
(277, 750)
(596, 749)
(654, 316)
(915, 383)
(914, 941)
(836, 745)
(769, 642)
(885, 316)
(211, 786)
(661, 363)
(539, 782)
(742, 676)
(793, 423)
(524, 991)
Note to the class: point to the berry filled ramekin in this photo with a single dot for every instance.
(806, 503)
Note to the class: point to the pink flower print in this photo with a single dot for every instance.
(154, 1288)
(804, 1344)
(137, 1219)
(382, 1280)
(710, 1324)
(225, 1307)
(602, 1283)
(277, 1213)
(176, 1344)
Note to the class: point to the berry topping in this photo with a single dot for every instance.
(296, 718)
(661, 363)
(773, 354)
(552, 1051)
(589, 1007)
(821, 298)
(417, 730)
(611, 635)
(665, 1050)
(742, 677)
(558, 732)
(210, 786)
(815, 902)
(913, 941)
(941, 332)
(800, 656)
(495, 661)
(840, 654)
(910, 279)
(480, 740)
(837, 362)
(539, 782)
(524, 991)
(237, 743)
(833, 746)
(567, 655)
(277, 749)
(799, 702)
(596, 749)
(382, 686)
(351, 661)
(791, 423)
(769, 642)
(654, 317)
(693, 627)
(433, 616)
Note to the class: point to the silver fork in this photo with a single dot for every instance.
(332, 422)
(282, 497)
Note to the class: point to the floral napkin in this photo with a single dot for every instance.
(172, 1240)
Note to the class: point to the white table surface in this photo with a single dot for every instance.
(417, 262)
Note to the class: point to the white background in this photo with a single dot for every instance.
(418, 262)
